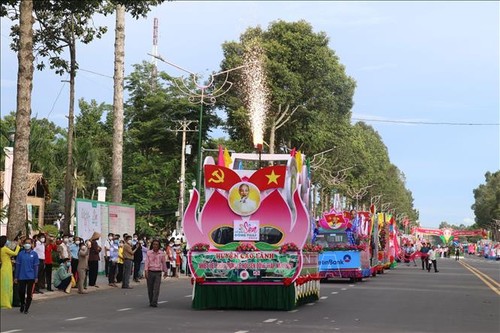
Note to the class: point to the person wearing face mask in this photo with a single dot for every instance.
(40, 250)
(50, 247)
(137, 259)
(113, 261)
(144, 249)
(83, 266)
(128, 258)
(74, 247)
(119, 275)
(63, 249)
(6, 281)
(107, 248)
(95, 249)
(62, 277)
(26, 274)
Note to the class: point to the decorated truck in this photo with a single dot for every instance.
(246, 243)
(345, 240)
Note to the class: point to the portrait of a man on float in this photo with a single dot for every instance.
(244, 198)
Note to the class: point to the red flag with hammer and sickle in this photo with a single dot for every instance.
(220, 177)
(269, 177)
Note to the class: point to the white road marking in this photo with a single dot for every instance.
(323, 297)
(76, 318)
(310, 303)
(188, 296)
(12, 331)
(241, 332)
(161, 302)
(292, 311)
(270, 320)
(334, 292)
(343, 289)
(124, 309)
(351, 285)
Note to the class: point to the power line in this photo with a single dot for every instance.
(86, 70)
(426, 122)
(54, 104)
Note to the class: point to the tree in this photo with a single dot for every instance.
(117, 166)
(17, 205)
(61, 23)
(487, 203)
(304, 75)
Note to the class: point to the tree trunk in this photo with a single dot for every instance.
(17, 205)
(69, 180)
(116, 178)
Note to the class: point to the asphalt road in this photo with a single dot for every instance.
(406, 299)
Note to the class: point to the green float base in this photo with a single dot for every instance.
(249, 297)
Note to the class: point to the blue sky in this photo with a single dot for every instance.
(413, 61)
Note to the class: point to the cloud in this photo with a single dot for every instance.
(5, 83)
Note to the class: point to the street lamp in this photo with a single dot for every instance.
(200, 93)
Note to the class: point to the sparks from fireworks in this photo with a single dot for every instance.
(256, 91)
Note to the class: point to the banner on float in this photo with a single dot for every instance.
(331, 260)
(245, 266)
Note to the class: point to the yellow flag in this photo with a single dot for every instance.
(227, 158)
(298, 158)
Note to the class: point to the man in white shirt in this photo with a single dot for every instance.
(244, 205)
(432, 259)
(107, 248)
(40, 251)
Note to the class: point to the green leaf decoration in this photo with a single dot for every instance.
(229, 246)
(266, 246)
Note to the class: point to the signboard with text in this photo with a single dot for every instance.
(333, 260)
(246, 230)
(231, 266)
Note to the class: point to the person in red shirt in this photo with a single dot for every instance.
(50, 247)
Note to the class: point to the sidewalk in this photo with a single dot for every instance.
(102, 282)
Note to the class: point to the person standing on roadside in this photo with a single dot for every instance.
(6, 281)
(113, 261)
(137, 259)
(95, 249)
(107, 248)
(83, 265)
(39, 248)
(154, 265)
(50, 247)
(26, 274)
(128, 259)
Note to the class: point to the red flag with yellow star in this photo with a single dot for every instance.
(269, 177)
(220, 177)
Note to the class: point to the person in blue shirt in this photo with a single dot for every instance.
(26, 274)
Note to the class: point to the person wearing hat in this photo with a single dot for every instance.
(95, 249)
(62, 277)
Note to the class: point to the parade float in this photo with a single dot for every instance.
(345, 242)
(246, 243)
(388, 242)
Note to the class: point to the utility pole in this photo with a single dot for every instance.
(182, 126)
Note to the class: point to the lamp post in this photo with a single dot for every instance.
(200, 93)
